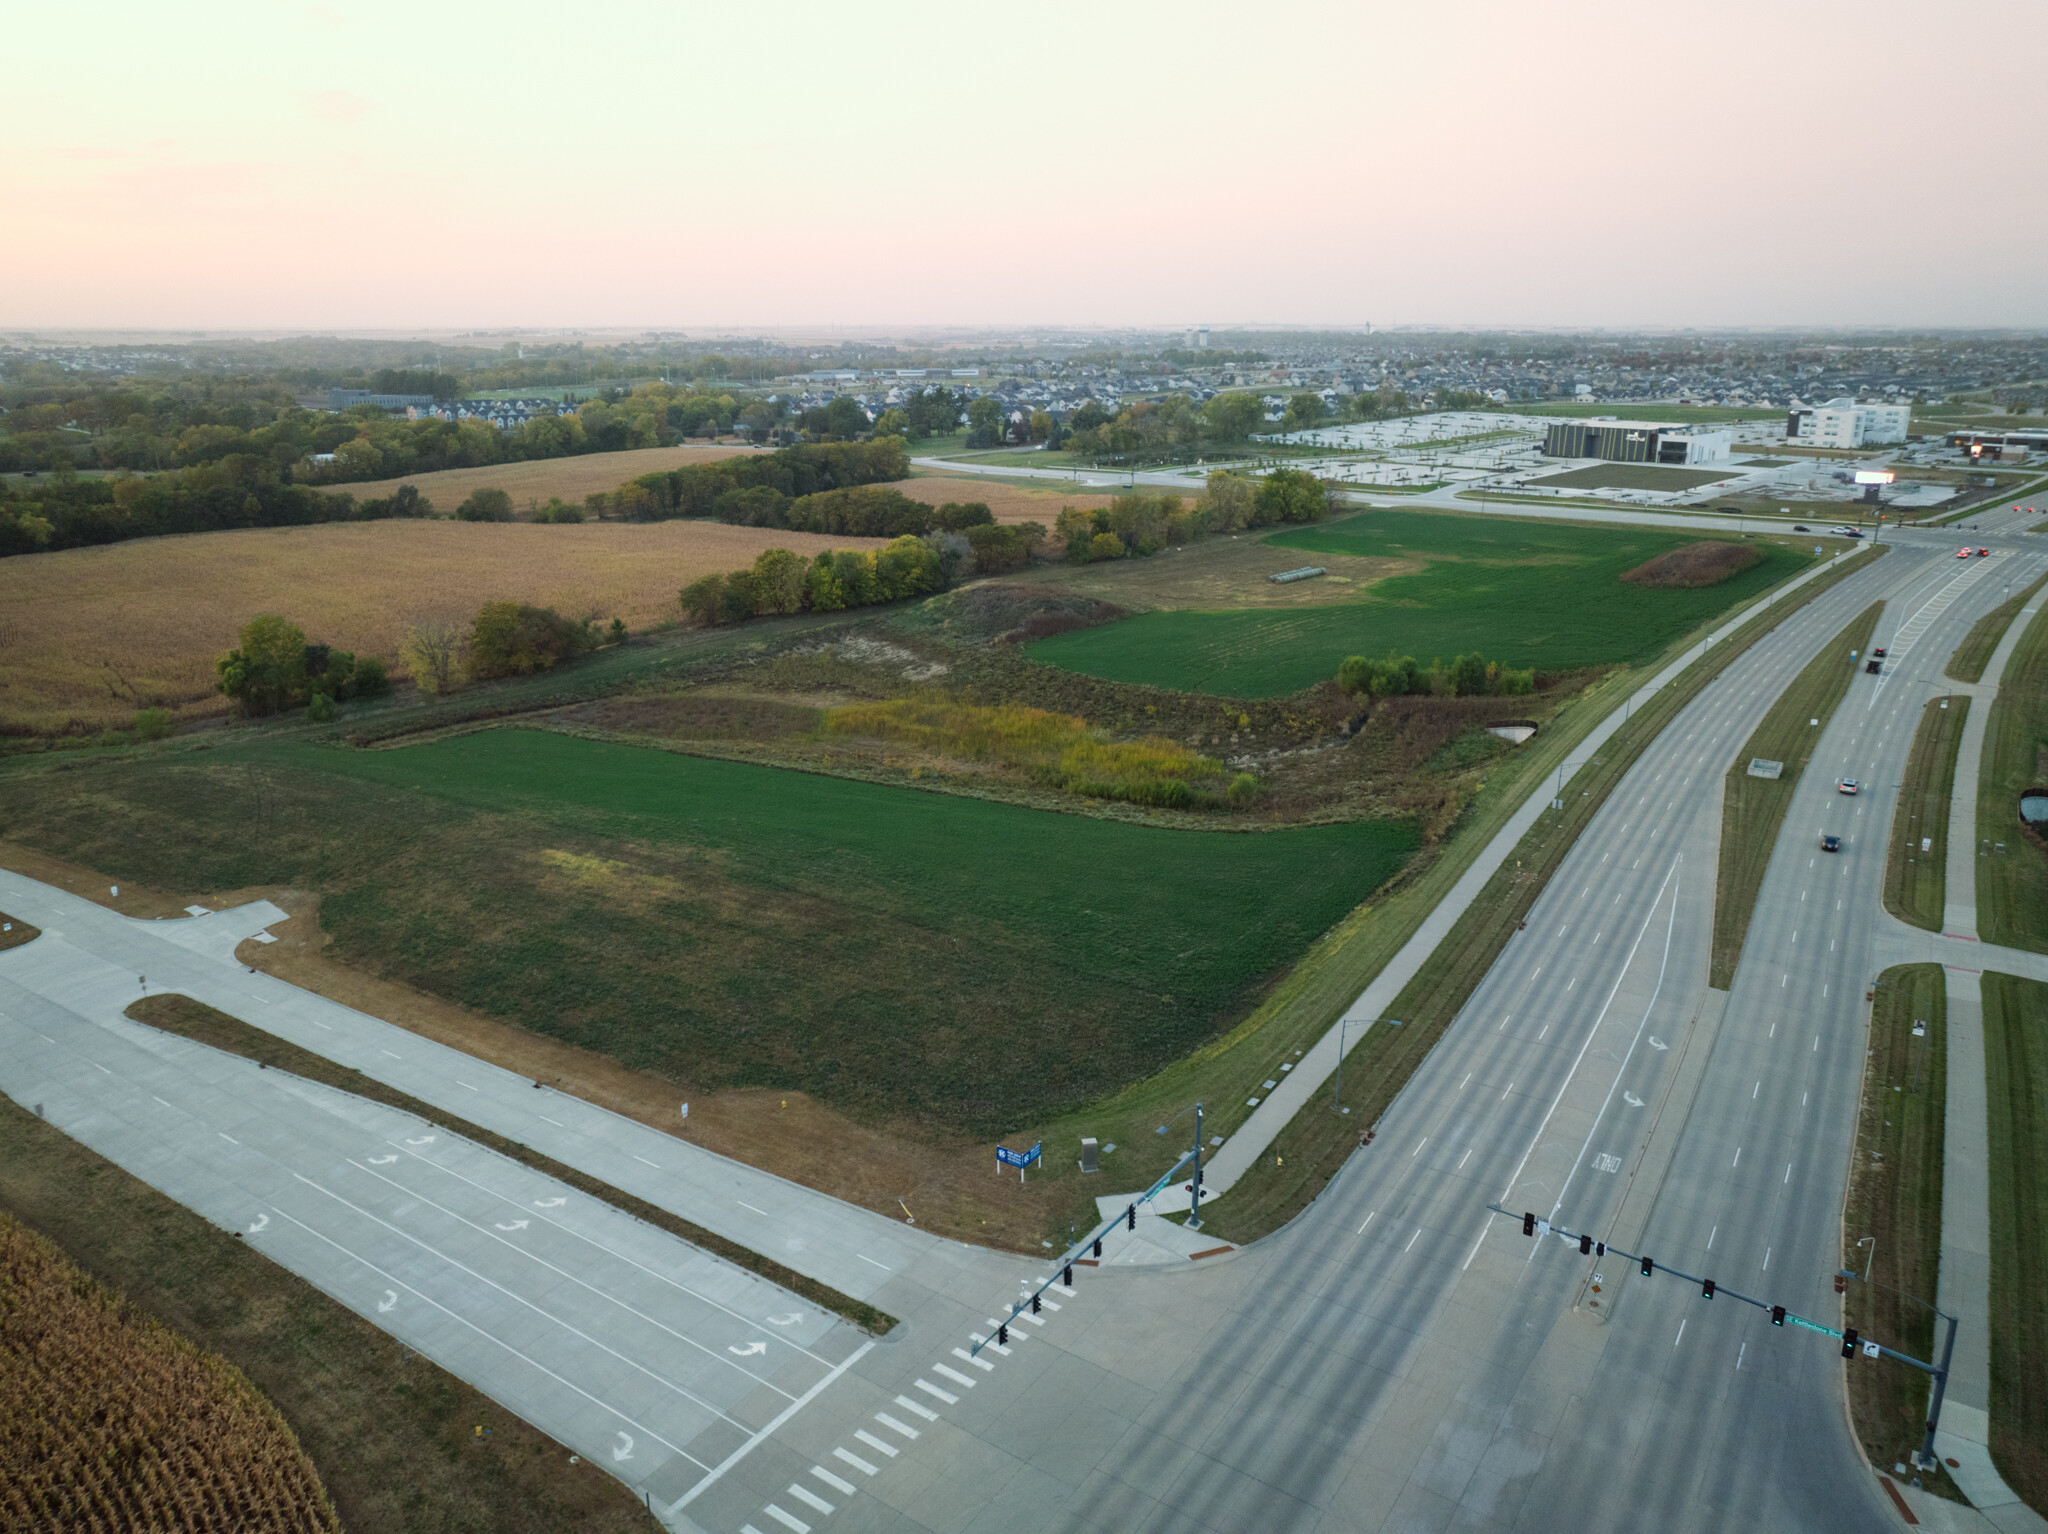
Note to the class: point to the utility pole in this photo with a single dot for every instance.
(1195, 1187)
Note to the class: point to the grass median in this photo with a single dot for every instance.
(1753, 809)
(1915, 870)
(1314, 1145)
(2012, 884)
(1891, 1223)
(2016, 1102)
(1974, 653)
(393, 1436)
(202, 1024)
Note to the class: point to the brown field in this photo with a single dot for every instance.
(115, 1421)
(1007, 500)
(570, 478)
(92, 635)
(1694, 564)
(1223, 573)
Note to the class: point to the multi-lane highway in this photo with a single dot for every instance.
(1397, 1358)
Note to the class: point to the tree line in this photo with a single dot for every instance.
(781, 582)
(792, 472)
(1140, 523)
(1467, 676)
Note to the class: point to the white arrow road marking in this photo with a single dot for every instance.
(423, 1140)
(381, 1160)
(515, 1225)
(748, 1351)
(389, 1302)
(549, 1203)
(1657, 1043)
(624, 1451)
(1631, 1099)
(261, 1221)
(789, 1320)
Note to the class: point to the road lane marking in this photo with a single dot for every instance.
(1738, 1157)
(1710, 1237)
(745, 1205)
(867, 1259)
(809, 1497)
(556, 1122)
(932, 1390)
(1681, 1335)
(1788, 1171)
(1464, 1158)
(1411, 1239)
(645, 1162)
(1504, 1095)
(172, 1106)
(880, 1446)
(843, 1487)
(1418, 1147)
(917, 1409)
(1767, 1250)
(1368, 1220)
(461, 1083)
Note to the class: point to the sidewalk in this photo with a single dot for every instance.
(1277, 1109)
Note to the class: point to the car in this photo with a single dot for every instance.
(1963, 553)
(1830, 843)
(1850, 532)
(1983, 551)
(1848, 786)
(1799, 528)
(1878, 652)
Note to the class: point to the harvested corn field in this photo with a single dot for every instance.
(570, 478)
(92, 635)
(1007, 500)
(113, 1421)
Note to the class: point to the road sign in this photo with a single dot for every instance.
(1018, 1159)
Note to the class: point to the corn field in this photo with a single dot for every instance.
(113, 1422)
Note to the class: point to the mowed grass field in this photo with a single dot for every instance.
(961, 962)
(570, 478)
(92, 635)
(1524, 593)
(1631, 476)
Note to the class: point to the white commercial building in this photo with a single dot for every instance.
(1844, 423)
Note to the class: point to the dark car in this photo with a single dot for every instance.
(1878, 652)
(1831, 844)
(1799, 528)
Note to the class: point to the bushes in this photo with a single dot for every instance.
(514, 639)
(486, 505)
(405, 501)
(865, 511)
(792, 473)
(782, 582)
(1468, 676)
(274, 668)
(152, 723)
(997, 549)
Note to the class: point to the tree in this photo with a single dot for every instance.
(1234, 417)
(1226, 502)
(1303, 410)
(486, 505)
(985, 422)
(1289, 495)
(844, 418)
(268, 671)
(1468, 675)
(514, 639)
(780, 581)
(1105, 546)
(432, 655)
(892, 423)
(701, 598)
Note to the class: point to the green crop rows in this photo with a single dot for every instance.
(1524, 593)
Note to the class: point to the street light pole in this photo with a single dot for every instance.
(1195, 1187)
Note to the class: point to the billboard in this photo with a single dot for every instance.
(1874, 476)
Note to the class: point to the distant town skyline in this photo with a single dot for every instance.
(911, 166)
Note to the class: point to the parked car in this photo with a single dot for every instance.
(1830, 843)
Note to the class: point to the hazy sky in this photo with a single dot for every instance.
(898, 163)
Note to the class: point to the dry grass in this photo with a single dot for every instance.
(1695, 564)
(1007, 500)
(115, 1421)
(92, 635)
(1224, 573)
(570, 478)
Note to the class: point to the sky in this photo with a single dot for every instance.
(898, 163)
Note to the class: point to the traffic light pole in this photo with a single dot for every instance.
(1710, 1289)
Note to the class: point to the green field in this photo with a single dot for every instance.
(1631, 476)
(891, 951)
(2012, 886)
(1525, 593)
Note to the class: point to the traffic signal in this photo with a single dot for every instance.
(1777, 1315)
(1849, 1343)
(1528, 1223)
(1649, 1267)
(1585, 1246)
(1067, 1277)
(1003, 1336)
(1841, 1283)
(1131, 1214)
(1707, 1289)
(1098, 1251)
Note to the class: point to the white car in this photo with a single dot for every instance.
(1848, 786)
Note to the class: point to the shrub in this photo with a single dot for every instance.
(618, 631)
(1468, 675)
(268, 671)
(781, 579)
(405, 501)
(959, 516)
(1244, 788)
(320, 708)
(514, 639)
(558, 510)
(861, 511)
(486, 505)
(1105, 546)
(370, 679)
(152, 723)
(432, 653)
(997, 549)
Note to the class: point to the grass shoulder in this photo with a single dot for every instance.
(2012, 885)
(1974, 653)
(392, 1436)
(2016, 1085)
(1916, 862)
(1753, 808)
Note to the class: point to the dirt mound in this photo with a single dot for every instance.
(1695, 564)
(1007, 613)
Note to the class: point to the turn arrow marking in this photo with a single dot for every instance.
(749, 1350)
(515, 1225)
(624, 1451)
(389, 1302)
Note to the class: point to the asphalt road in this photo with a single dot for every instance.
(1398, 1359)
